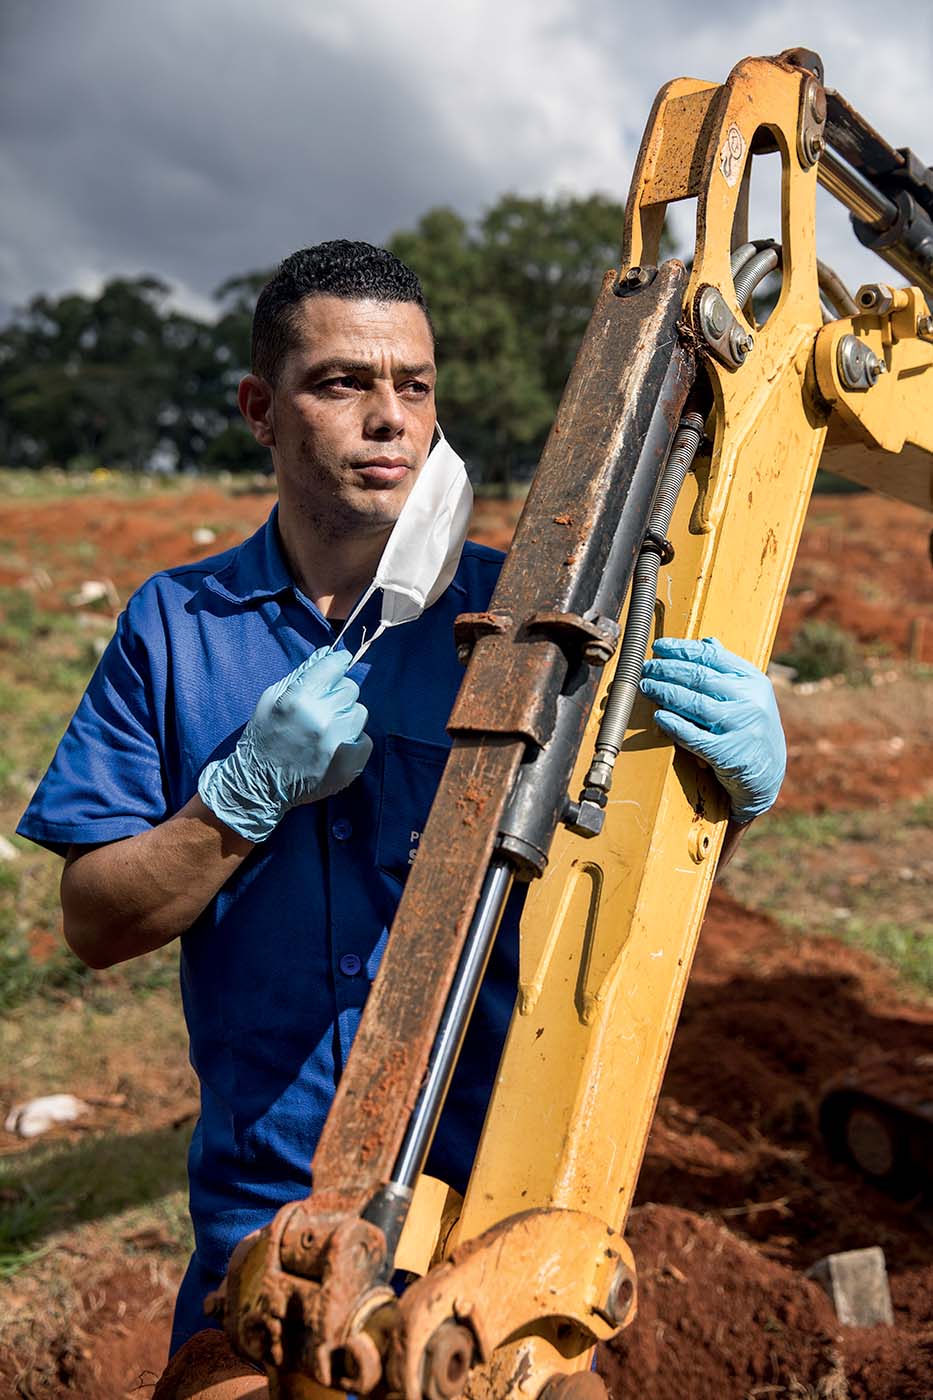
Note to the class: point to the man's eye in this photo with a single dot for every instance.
(340, 381)
(416, 387)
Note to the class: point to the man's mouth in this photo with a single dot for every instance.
(382, 471)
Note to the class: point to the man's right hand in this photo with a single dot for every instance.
(304, 742)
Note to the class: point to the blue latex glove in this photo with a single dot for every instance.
(721, 708)
(304, 742)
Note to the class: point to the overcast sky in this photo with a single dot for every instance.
(196, 139)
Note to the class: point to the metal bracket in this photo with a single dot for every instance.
(592, 637)
(657, 544)
(557, 1264)
(469, 627)
(726, 338)
(811, 124)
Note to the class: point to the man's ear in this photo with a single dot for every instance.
(254, 397)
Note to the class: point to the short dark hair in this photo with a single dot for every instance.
(340, 268)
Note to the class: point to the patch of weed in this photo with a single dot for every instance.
(852, 893)
(12, 1262)
(821, 649)
(921, 813)
(19, 616)
(910, 950)
(55, 1186)
(22, 978)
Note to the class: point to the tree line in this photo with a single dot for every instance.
(123, 379)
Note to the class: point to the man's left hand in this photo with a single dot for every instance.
(721, 708)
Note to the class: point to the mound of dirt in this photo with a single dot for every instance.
(716, 1319)
(114, 1346)
(751, 1198)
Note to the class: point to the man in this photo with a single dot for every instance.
(271, 826)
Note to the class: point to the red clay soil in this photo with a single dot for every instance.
(738, 1196)
(115, 1348)
(737, 1199)
(744, 1196)
(833, 766)
(864, 561)
(864, 564)
(208, 1362)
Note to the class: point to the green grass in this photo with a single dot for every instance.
(12, 1262)
(920, 814)
(907, 950)
(857, 876)
(123, 1169)
(56, 1186)
(52, 483)
(910, 950)
(820, 649)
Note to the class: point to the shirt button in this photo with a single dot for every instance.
(342, 829)
(350, 964)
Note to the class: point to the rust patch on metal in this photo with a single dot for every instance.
(410, 990)
(470, 804)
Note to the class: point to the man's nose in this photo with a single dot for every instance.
(385, 415)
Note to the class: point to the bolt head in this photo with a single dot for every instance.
(874, 296)
(463, 652)
(873, 366)
(588, 819)
(718, 315)
(621, 1295)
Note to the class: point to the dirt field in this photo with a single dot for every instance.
(737, 1198)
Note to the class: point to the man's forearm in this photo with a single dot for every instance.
(128, 897)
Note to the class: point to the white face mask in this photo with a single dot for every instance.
(423, 550)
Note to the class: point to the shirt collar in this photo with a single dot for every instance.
(257, 569)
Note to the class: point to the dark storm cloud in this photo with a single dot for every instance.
(211, 141)
(197, 139)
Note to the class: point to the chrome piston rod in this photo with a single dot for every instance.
(389, 1207)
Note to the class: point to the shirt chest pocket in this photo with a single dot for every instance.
(411, 771)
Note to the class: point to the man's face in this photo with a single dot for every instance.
(352, 412)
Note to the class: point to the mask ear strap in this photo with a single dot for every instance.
(354, 615)
(366, 644)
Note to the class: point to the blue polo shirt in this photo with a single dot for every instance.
(275, 972)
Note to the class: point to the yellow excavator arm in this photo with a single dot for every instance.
(677, 476)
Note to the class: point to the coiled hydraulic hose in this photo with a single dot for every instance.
(644, 595)
(750, 264)
(754, 271)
